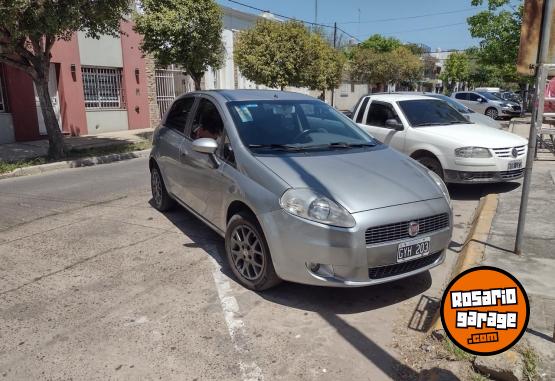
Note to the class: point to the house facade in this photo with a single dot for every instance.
(107, 84)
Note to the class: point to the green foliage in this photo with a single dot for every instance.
(455, 353)
(498, 29)
(187, 33)
(279, 54)
(381, 44)
(456, 68)
(398, 65)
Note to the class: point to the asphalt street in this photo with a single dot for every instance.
(96, 284)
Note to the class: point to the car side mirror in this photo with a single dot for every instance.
(348, 114)
(205, 145)
(394, 124)
(482, 100)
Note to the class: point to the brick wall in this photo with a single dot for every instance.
(151, 90)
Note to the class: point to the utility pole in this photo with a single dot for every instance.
(537, 118)
(315, 12)
(335, 47)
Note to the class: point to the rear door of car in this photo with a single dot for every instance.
(463, 98)
(169, 142)
(478, 102)
(378, 113)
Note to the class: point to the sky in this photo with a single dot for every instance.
(446, 31)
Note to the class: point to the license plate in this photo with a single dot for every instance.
(413, 249)
(515, 165)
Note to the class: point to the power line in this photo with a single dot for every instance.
(293, 18)
(410, 17)
(427, 28)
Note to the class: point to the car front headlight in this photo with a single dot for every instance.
(473, 152)
(306, 203)
(441, 185)
(505, 105)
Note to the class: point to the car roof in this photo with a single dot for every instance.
(394, 97)
(256, 95)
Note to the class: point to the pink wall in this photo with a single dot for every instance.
(21, 100)
(135, 88)
(70, 86)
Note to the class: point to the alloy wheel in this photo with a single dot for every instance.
(156, 185)
(247, 252)
(492, 113)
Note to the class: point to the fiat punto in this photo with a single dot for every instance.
(298, 190)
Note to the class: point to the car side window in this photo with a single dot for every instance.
(207, 122)
(474, 97)
(379, 113)
(461, 96)
(361, 110)
(225, 151)
(179, 113)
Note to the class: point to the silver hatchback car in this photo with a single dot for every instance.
(298, 190)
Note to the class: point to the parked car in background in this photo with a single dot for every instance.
(487, 104)
(298, 190)
(471, 115)
(442, 139)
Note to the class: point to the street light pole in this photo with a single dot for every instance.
(334, 46)
(537, 119)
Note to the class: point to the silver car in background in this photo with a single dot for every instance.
(488, 104)
(298, 190)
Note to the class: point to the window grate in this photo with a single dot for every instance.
(103, 88)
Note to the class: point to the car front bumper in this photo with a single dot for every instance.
(342, 255)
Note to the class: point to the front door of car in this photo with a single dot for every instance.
(169, 143)
(383, 123)
(479, 103)
(199, 169)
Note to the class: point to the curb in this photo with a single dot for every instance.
(472, 252)
(84, 162)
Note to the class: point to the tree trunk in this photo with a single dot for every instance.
(197, 78)
(56, 149)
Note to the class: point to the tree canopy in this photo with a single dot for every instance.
(380, 44)
(187, 33)
(29, 30)
(455, 69)
(280, 54)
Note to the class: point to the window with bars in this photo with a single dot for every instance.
(102, 87)
(3, 105)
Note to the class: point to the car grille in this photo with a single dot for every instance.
(512, 174)
(402, 268)
(508, 152)
(400, 230)
(516, 108)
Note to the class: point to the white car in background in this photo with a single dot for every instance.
(439, 137)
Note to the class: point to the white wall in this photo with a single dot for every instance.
(105, 51)
(106, 121)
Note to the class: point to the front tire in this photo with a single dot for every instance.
(432, 164)
(492, 113)
(248, 254)
(162, 201)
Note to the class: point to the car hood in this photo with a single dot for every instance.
(475, 135)
(483, 120)
(358, 180)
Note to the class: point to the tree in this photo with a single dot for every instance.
(325, 65)
(498, 29)
(29, 30)
(456, 69)
(395, 66)
(381, 44)
(273, 53)
(187, 33)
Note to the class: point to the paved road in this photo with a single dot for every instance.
(95, 284)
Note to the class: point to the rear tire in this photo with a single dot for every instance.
(161, 199)
(492, 113)
(248, 254)
(432, 164)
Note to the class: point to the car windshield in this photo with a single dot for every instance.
(489, 96)
(453, 103)
(295, 126)
(430, 112)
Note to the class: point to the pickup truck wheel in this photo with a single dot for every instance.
(161, 199)
(432, 164)
(492, 113)
(248, 254)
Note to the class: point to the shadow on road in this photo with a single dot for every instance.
(469, 192)
(329, 303)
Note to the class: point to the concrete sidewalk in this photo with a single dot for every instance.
(16, 152)
(535, 267)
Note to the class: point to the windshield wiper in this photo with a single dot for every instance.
(340, 145)
(426, 124)
(282, 147)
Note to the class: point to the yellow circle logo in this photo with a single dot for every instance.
(485, 311)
